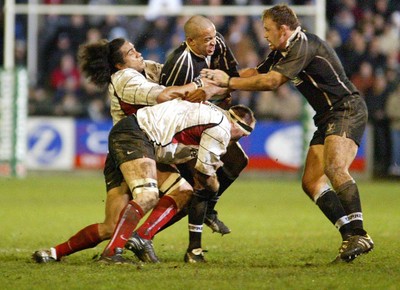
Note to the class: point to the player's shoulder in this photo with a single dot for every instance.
(177, 52)
(124, 75)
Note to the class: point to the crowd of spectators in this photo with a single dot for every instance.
(364, 33)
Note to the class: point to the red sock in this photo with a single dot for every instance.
(128, 220)
(84, 239)
(161, 214)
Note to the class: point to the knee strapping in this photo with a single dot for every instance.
(139, 186)
(173, 182)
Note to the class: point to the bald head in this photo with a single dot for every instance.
(195, 25)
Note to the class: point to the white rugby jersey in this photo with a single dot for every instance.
(130, 90)
(181, 131)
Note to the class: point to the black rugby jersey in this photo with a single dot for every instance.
(183, 65)
(314, 68)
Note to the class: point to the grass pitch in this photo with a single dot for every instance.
(279, 240)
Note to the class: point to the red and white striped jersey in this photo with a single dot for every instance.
(130, 90)
(180, 131)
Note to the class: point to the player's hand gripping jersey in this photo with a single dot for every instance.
(181, 131)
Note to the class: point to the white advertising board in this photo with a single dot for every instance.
(51, 143)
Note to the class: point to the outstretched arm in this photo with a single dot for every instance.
(259, 82)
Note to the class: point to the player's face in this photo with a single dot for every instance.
(274, 34)
(132, 58)
(204, 43)
(237, 132)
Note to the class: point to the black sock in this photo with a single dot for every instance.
(330, 205)
(197, 211)
(350, 199)
(224, 182)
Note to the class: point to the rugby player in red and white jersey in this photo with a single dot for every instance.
(173, 132)
(132, 83)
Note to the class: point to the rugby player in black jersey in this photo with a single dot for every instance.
(340, 117)
(203, 48)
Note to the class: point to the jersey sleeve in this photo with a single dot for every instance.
(213, 144)
(297, 58)
(133, 88)
(153, 70)
(223, 57)
(178, 69)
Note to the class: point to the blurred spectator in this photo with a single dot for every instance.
(353, 52)
(284, 104)
(96, 103)
(375, 55)
(363, 79)
(48, 45)
(92, 35)
(393, 113)
(70, 106)
(153, 50)
(334, 39)
(389, 40)
(250, 59)
(381, 7)
(344, 22)
(114, 26)
(66, 77)
(39, 102)
(135, 26)
(63, 47)
(376, 100)
(77, 31)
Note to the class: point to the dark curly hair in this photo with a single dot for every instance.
(97, 60)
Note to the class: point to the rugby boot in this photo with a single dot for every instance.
(355, 246)
(142, 248)
(116, 259)
(212, 221)
(195, 256)
(45, 256)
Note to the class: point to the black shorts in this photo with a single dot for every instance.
(349, 116)
(126, 142)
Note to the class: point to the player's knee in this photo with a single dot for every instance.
(145, 192)
(309, 187)
(331, 170)
(178, 189)
(181, 197)
(306, 187)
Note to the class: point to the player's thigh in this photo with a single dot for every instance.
(340, 151)
(235, 159)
